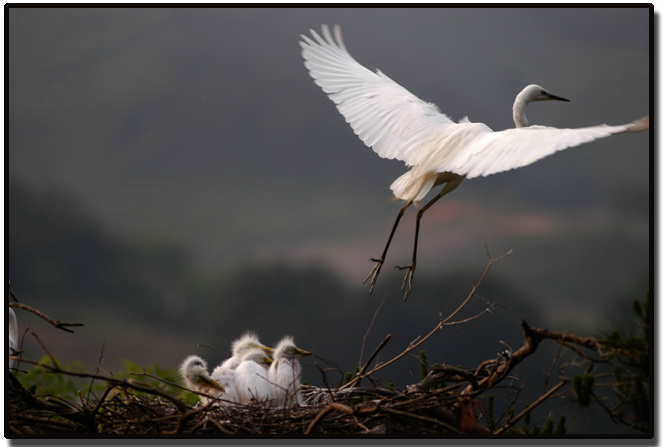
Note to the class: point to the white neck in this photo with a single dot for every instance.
(518, 111)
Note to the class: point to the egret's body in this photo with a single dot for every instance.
(194, 372)
(285, 374)
(13, 335)
(225, 377)
(240, 346)
(397, 124)
(251, 378)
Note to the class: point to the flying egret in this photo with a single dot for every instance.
(240, 346)
(251, 377)
(285, 373)
(195, 375)
(13, 335)
(397, 124)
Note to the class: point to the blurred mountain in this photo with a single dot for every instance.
(69, 266)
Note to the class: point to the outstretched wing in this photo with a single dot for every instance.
(385, 115)
(494, 152)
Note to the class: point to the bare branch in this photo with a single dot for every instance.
(57, 323)
(419, 340)
(530, 408)
(372, 322)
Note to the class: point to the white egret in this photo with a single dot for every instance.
(397, 124)
(240, 346)
(285, 373)
(13, 335)
(251, 377)
(194, 372)
(225, 377)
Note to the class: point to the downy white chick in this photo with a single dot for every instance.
(285, 373)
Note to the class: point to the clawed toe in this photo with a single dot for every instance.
(374, 273)
(409, 277)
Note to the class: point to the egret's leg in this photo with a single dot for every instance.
(452, 181)
(378, 266)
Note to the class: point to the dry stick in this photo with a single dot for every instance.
(533, 337)
(151, 376)
(57, 323)
(562, 337)
(419, 340)
(181, 419)
(213, 350)
(333, 406)
(374, 317)
(50, 356)
(540, 400)
(220, 427)
(422, 418)
(372, 356)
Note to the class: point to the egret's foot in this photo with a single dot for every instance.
(374, 273)
(409, 277)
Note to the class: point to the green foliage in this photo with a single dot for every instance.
(41, 381)
(527, 420)
(560, 428)
(348, 377)
(147, 375)
(630, 355)
(546, 429)
(489, 411)
(583, 388)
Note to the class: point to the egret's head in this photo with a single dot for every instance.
(533, 92)
(256, 355)
(195, 375)
(248, 341)
(287, 349)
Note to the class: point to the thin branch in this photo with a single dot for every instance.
(57, 323)
(333, 406)
(422, 418)
(530, 408)
(419, 340)
(372, 322)
(372, 357)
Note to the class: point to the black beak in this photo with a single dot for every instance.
(558, 98)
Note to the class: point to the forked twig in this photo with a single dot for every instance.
(57, 323)
(418, 341)
(372, 356)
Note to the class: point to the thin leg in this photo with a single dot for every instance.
(452, 182)
(378, 266)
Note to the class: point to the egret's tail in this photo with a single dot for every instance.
(411, 187)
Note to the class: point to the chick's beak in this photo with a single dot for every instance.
(302, 353)
(210, 383)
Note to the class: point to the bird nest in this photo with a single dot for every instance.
(448, 401)
(128, 408)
